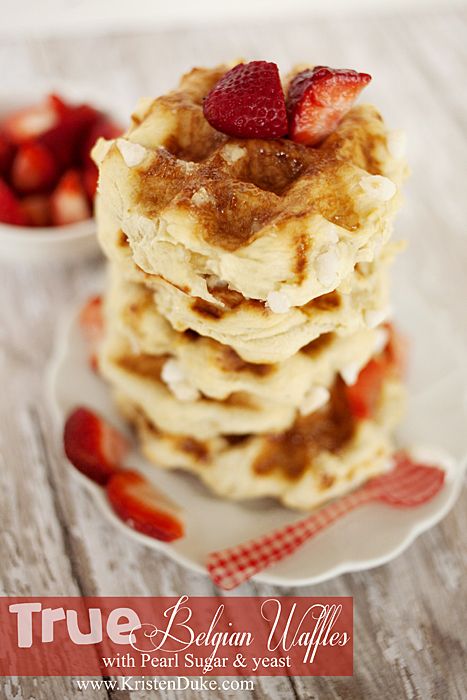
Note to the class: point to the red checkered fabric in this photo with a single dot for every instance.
(406, 485)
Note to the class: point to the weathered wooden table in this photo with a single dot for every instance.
(410, 636)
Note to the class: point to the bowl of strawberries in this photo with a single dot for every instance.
(47, 178)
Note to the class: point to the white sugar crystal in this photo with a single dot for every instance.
(174, 376)
(100, 149)
(327, 268)
(201, 197)
(373, 317)
(232, 152)
(172, 372)
(132, 153)
(380, 187)
(350, 372)
(331, 236)
(315, 397)
(381, 340)
(278, 302)
(215, 282)
(397, 143)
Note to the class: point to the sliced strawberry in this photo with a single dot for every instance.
(143, 507)
(68, 201)
(91, 321)
(318, 99)
(59, 105)
(10, 207)
(36, 208)
(102, 128)
(7, 151)
(396, 351)
(364, 395)
(27, 124)
(65, 139)
(93, 446)
(90, 179)
(34, 168)
(248, 102)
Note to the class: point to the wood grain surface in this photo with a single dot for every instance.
(410, 638)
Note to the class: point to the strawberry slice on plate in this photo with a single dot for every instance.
(11, 211)
(143, 507)
(34, 169)
(68, 201)
(248, 102)
(91, 321)
(93, 446)
(317, 100)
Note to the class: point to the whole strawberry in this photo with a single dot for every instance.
(248, 102)
(317, 100)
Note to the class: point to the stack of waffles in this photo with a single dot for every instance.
(246, 310)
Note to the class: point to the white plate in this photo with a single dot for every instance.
(366, 538)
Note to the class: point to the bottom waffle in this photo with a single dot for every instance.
(322, 456)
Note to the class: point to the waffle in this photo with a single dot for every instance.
(259, 335)
(248, 282)
(300, 476)
(264, 217)
(136, 329)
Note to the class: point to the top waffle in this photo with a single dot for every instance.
(268, 217)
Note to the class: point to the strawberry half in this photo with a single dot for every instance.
(248, 102)
(65, 139)
(143, 507)
(92, 325)
(364, 395)
(36, 208)
(7, 151)
(27, 124)
(34, 169)
(93, 446)
(68, 201)
(10, 207)
(317, 100)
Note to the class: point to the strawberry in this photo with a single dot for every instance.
(93, 446)
(34, 169)
(36, 208)
(396, 351)
(90, 175)
(27, 124)
(65, 139)
(92, 325)
(248, 102)
(363, 396)
(10, 207)
(7, 151)
(68, 201)
(318, 99)
(143, 507)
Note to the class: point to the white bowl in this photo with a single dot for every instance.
(51, 243)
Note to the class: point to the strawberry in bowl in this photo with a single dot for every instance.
(47, 179)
